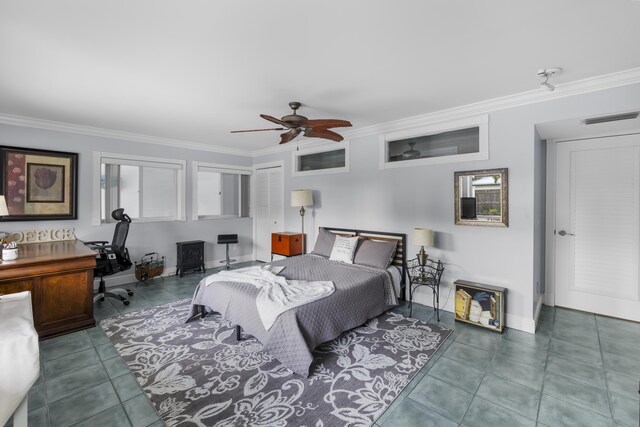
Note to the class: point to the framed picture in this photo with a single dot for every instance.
(481, 305)
(39, 184)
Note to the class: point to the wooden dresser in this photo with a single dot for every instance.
(287, 244)
(60, 278)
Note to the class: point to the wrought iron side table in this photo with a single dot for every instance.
(428, 275)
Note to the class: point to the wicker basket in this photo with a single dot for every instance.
(149, 266)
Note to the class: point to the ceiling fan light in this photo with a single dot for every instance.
(546, 74)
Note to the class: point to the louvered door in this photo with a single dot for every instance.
(269, 209)
(598, 225)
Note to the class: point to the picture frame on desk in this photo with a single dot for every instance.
(39, 184)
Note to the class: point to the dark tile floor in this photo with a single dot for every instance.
(577, 370)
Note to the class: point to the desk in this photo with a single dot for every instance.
(59, 276)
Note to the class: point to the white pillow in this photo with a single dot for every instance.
(343, 249)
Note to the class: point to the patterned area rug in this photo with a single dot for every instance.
(197, 374)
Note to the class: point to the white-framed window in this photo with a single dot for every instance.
(326, 159)
(148, 188)
(447, 142)
(220, 191)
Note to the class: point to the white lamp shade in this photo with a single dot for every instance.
(3, 207)
(301, 198)
(422, 237)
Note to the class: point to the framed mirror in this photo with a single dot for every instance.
(482, 197)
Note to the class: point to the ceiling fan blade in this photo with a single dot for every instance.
(289, 136)
(323, 133)
(327, 123)
(256, 130)
(274, 120)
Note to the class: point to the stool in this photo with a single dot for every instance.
(227, 239)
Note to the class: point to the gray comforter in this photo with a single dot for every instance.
(361, 294)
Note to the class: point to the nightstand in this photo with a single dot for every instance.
(287, 244)
(428, 275)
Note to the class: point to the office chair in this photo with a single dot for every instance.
(112, 258)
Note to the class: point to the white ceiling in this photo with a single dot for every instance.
(194, 70)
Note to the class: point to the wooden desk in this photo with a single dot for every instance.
(60, 278)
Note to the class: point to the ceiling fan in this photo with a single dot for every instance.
(296, 124)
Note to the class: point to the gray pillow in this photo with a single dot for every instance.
(324, 243)
(378, 254)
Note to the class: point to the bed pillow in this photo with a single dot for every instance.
(378, 254)
(324, 242)
(343, 249)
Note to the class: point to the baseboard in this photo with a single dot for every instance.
(521, 323)
(536, 313)
(127, 279)
(511, 320)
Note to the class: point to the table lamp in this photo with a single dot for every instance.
(422, 237)
(301, 198)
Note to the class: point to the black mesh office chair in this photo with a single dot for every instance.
(112, 258)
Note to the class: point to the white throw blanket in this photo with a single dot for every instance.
(277, 294)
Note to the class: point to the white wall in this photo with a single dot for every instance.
(400, 199)
(143, 237)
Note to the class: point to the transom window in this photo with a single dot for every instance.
(463, 141)
(322, 160)
(458, 141)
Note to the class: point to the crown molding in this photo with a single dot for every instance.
(578, 87)
(115, 134)
(592, 84)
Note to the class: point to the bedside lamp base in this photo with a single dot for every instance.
(422, 256)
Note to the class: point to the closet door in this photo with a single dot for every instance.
(598, 226)
(269, 209)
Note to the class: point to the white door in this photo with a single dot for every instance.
(597, 228)
(269, 209)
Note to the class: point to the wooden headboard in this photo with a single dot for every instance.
(399, 259)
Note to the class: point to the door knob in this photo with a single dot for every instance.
(564, 233)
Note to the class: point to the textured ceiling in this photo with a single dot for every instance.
(193, 70)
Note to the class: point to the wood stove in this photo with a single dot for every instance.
(190, 256)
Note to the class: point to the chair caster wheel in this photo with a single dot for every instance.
(130, 293)
(125, 302)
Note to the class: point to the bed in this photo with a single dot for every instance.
(361, 293)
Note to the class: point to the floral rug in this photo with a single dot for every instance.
(197, 374)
